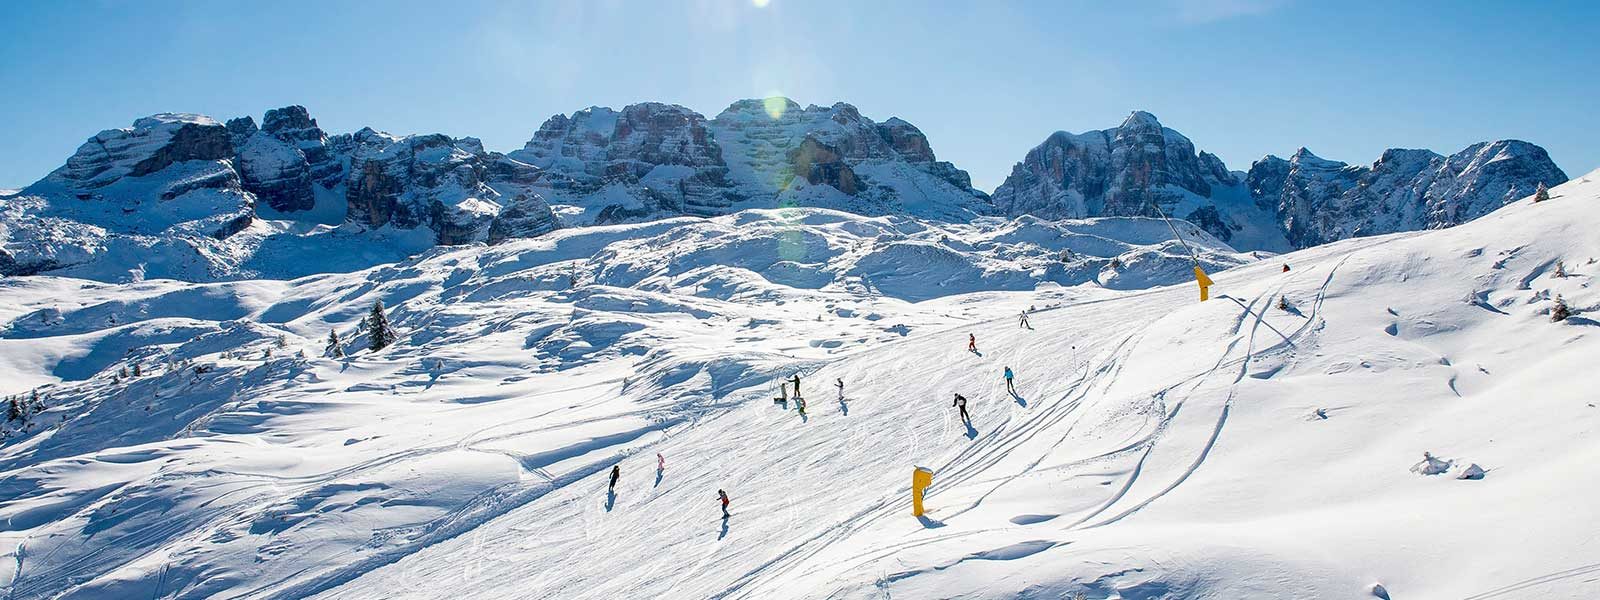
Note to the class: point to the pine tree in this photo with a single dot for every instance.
(380, 334)
(137, 371)
(122, 372)
(282, 341)
(335, 347)
(1541, 194)
(14, 412)
(1560, 312)
(1561, 269)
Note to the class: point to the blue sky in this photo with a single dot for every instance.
(985, 81)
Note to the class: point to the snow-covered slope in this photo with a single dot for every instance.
(1158, 447)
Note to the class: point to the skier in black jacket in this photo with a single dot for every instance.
(961, 403)
(616, 473)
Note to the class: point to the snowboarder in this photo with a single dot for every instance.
(1023, 322)
(972, 343)
(800, 405)
(961, 403)
(616, 473)
(723, 496)
(1010, 386)
(783, 394)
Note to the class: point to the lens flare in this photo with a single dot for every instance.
(761, 3)
(775, 104)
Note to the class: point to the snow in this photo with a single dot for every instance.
(1158, 446)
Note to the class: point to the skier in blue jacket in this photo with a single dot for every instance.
(1010, 387)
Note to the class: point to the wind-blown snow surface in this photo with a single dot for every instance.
(1158, 447)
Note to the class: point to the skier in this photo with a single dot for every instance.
(1010, 387)
(796, 386)
(1023, 322)
(800, 405)
(961, 402)
(616, 473)
(661, 462)
(839, 382)
(972, 343)
(723, 496)
(783, 394)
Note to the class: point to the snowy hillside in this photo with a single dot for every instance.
(1260, 444)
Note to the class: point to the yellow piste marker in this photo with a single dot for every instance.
(921, 478)
(1205, 283)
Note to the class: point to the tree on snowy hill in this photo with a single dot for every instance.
(1541, 194)
(14, 412)
(137, 371)
(335, 347)
(282, 342)
(381, 335)
(1561, 311)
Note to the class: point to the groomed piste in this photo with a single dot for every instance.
(1259, 444)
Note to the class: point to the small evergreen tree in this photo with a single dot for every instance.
(1283, 303)
(1541, 194)
(1561, 269)
(137, 371)
(282, 341)
(14, 412)
(380, 334)
(335, 347)
(1561, 311)
(122, 372)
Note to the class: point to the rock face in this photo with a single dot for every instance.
(654, 160)
(1317, 201)
(1279, 204)
(284, 161)
(180, 188)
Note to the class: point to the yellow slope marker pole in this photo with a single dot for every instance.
(1199, 275)
(1205, 283)
(921, 478)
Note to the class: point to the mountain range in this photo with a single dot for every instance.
(185, 196)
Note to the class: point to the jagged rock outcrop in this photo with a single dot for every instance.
(286, 160)
(442, 183)
(168, 173)
(1318, 201)
(1279, 204)
(656, 160)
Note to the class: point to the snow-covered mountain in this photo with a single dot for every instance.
(183, 196)
(195, 441)
(1279, 204)
(654, 160)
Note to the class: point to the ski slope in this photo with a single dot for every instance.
(1158, 447)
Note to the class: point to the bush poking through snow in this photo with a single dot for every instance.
(1560, 312)
(380, 334)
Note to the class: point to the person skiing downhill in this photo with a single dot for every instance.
(723, 496)
(797, 386)
(1023, 322)
(661, 462)
(1010, 387)
(839, 382)
(961, 403)
(972, 343)
(616, 473)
